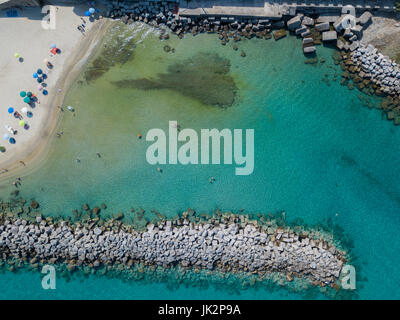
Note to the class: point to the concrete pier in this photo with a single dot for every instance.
(276, 9)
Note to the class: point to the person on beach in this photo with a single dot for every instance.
(17, 115)
(81, 30)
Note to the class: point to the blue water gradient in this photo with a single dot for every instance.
(319, 155)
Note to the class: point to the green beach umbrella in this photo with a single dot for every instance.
(29, 94)
(27, 100)
(22, 94)
(16, 55)
(22, 123)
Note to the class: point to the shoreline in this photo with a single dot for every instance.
(71, 69)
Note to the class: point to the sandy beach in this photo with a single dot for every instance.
(24, 35)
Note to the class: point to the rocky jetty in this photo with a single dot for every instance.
(231, 244)
(374, 75)
(377, 68)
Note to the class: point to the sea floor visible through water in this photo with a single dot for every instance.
(321, 155)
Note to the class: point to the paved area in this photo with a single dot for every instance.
(274, 9)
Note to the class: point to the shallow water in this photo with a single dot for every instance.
(319, 155)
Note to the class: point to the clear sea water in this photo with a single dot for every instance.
(320, 155)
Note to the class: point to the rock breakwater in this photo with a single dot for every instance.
(374, 75)
(233, 244)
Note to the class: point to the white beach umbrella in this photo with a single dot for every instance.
(24, 110)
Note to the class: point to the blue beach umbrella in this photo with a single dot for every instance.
(44, 76)
(12, 140)
(40, 80)
(87, 13)
(91, 10)
(45, 92)
(53, 46)
(35, 75)
(39, 71)
(6, 136)
(10, 110)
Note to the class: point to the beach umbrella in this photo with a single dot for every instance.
(2, 149)
(40, 80)
(22, 94)
(39, 71)
(12, 140)
(45, 92)
(29, 94)
(44, 76)
(27, 99)
(91, 10)
(24, 110)
(10, 110)
(6, 136)
(53, 46)
(16, 55)
(22, 123)
(35, 75)
(87, 13)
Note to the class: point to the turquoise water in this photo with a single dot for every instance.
(320, 155)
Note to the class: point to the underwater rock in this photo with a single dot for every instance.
(34, 204)
(119, 216)
(167, 48)
(204, 77)
(14, 193)
(279, 34)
